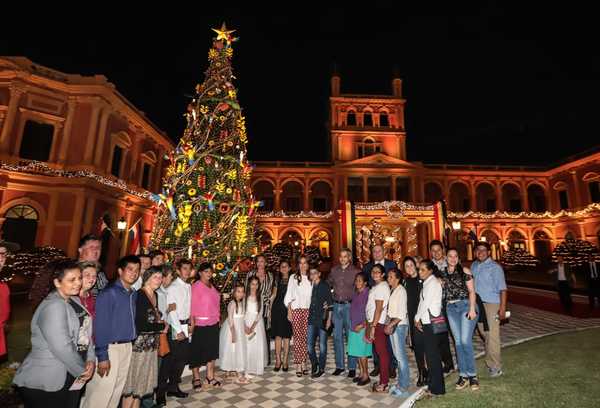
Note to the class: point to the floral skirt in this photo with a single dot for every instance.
(142, 377)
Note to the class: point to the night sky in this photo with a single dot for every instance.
(484, 83)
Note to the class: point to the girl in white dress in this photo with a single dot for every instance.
(233, 339)
(256, 357)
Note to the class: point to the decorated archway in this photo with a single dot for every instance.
(401, 228)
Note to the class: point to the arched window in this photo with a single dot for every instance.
(367, 119)
(292, 238)
(459, 197)
(351, 118)
(541, 243)
(368, 147)
(516, 240)
(511, 195)
(263, 191)
(563, 195)
(321, 197)
(384, 120)
(291, 196)
(433, 192)
(320, 240)
(594, 187)
(486, 198)
(537, 198)
(21, 225)
(37, 141)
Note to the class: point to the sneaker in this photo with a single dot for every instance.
(400, 393)
(495, 372)
(474, 383)
(351, 373)
(337, 371)
(318, 374)
(462, 383)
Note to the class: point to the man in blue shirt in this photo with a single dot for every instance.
(114, 332)
(491, 288)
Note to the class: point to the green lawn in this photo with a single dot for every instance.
(556, 371)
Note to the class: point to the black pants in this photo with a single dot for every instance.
(171, 368)
(564, 294)
(445, 352)
(63, 398)
(418, 342)
(594, 292)
(434, 362)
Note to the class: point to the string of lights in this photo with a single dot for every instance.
(39, 168)
(591, 208)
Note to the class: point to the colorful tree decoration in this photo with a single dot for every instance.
(575, 251)
(518, 257)
(206, 205)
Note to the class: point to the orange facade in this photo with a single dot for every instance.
(98, 154)
(111, 155)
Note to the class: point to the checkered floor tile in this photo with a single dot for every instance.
(286, 390)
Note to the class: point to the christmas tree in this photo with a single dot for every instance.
(518, 257)
(206, 205)
(575, 251)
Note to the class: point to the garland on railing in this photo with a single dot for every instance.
(39, 168)
(594, 207)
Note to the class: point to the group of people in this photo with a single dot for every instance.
(566, 280)
(100, 344)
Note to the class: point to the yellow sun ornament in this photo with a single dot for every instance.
(205, 253)
(220, 266)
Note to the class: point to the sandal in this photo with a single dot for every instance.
(285, 368)
(242, 380)
(196, 383)
(213, 382)
(379, 388)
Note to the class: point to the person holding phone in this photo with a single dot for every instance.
(461, 307)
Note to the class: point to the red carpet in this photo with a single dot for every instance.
(547, 300)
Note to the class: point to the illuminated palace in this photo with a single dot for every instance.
(519, 207)
(96, 153)
(74, 151)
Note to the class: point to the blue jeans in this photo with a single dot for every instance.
(398, 340)
(341, 328)
(313, 333)
(462, 330)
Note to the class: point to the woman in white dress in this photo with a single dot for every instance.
(233, 341)
(256, 357)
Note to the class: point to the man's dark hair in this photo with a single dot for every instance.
(129, 259)
(86, 238)
(436, 242)
(144, 256)
(156, 253)
(183, 261)
(485, 244)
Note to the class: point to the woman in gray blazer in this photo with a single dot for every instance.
(62, 351)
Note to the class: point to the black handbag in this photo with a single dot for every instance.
(438, 323)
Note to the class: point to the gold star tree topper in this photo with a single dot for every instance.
(224, 34)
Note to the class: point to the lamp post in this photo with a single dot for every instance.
(121, 227)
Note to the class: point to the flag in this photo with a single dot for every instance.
(101, 226)
(439, 221)
(135, 235)
(348, 230)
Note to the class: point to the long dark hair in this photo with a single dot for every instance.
(298, 274)
(243, 302)
(409, 258)
(279, 277)
(429, 264)
(258, 293)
